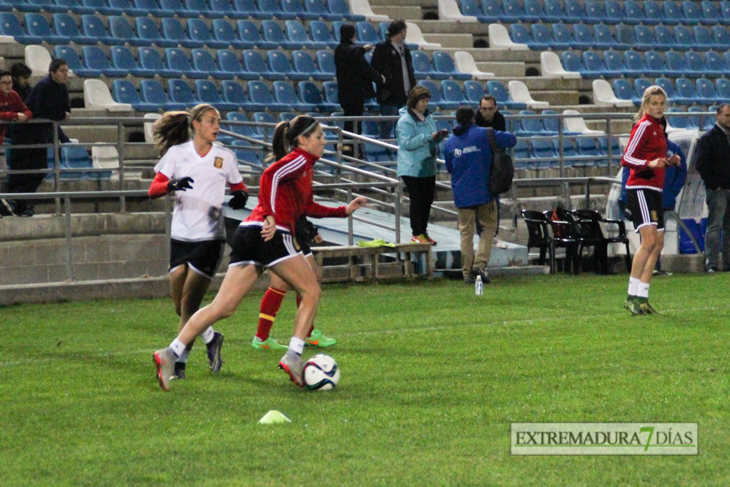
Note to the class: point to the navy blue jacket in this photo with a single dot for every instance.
(468, 157)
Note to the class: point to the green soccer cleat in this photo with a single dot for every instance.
(268, 344)
(646, 307)
(319, 340)
(632, 304)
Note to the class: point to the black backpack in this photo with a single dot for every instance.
(503, 169)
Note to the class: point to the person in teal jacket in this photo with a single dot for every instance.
(418, 142)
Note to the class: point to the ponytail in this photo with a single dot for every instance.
(176, 128)
(286, 134)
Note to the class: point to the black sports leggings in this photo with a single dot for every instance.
(421, 191)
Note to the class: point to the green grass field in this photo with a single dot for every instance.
(432, 377)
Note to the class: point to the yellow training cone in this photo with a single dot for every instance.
(273, 417)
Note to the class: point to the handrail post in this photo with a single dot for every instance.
(57, 166)
(398, 209)
(588, 194)
(609, 152)
(350, 222)
(120, 143)
(69, 246)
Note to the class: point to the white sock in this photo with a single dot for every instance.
(208, 335)
(634, 286)
(643, 291)
(183, 358)
(177, 347)
(296, 345)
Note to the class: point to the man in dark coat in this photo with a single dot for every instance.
(355, 78)
(392, 59)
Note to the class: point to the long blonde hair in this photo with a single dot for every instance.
(176, 128)
(648, 93)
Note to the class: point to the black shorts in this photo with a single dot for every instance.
(202, 257)
(248, 247)
(646, 208)
(304, 248)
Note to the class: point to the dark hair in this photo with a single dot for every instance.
(464, 115)
(488, 98)
(5, 72)
(286, 134)
(417, 93)
(347, 32)
(20, 70)
(56, 65)
(175, 128)
(721, 108)
(396, 27)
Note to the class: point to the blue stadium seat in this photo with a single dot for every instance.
(150, 58)
(331, 92)
(279, 63)
(471, 8)
(527, 127)
(534, 9)
(74, 6)
(326, 62)
(261, 98)
(656, 66)
(605, 38)
(124, 6)
(65, 26)
(153, 93)
(223, 32)
(616, 152)
(304, 65)
(575, 12)
(273, 9)
(33, 6)
(148, 31)
(542, 38)
(341, 8)
(624, 91)
(77, 157)
(696, 65)
(296, 7)
(38, 26)
(675, 121)
(520, 35)
(493, 10)
(321, 34)
(570, 153)
(452, 94)
(693, 121)
(274, 35)
(150, 7)
(203, 61)
(714, 64)
(594, 65)
(422, 67)
(254, 62)
(572, 62)
(319, 10)
(673, 14)
(635, 65)
(513, 12)
(123, 91)
(71, 57)
(233, 93)
(684, 38)
(435, 102)
(640, 85)
(721, 37)
(224, 8)
(284, 94)
(654, 12)
(177, 8)
(336, 29)
(703, 38)
(443, 63)
(634, 13)
(723, 88)
(177, 60)
(93, 27)
(614, 64)
(199, 31)
(173, 30)
(693, 14)
(563, 37)
(673, 95)
(588, 149)
(473, 91)
(207, 92)
(245, 130)
(203, 9)
(298, 36)
(646, 39)
(664, 39)
(94, 58)
(499, 92)
(246, 8)
(121, 29)
(596, 13)
(521, 154)
(706, 91)
(583, 35)
(309, 93)
(265, 118)
(122, 58)
(246, 153)
(229, 63)
(712, 13)
(677, 64)
(550, 125)
(180, 92)
(366, 33)
(543, 149)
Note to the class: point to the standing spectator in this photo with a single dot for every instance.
(197, 171)
(418, 142)
(646, 159)
(11, 109)
(469, 161)
(48, 99)
(489, 114)
(355, 78)
(713, 164)
(21, 79)
(392, 59)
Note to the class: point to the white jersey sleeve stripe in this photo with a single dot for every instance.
(629, 154)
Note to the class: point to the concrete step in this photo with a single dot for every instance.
(496, 55)
(508, 70)
(408, 12)
(451, 41)
(415, 3)
(448, 27)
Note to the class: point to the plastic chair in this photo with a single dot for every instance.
(93, 27)
(203, 62)
(273, 34)
(684, 38)
(94, 58)
(150, 7)
(278, 63)
(554, 12)
(38, 26)
(678, 64)
(74, 6)
(326, 62)
(229, 63)
(672, 95)
(150, 58)
(654, 12)
(296, 7)
(177, 60)
(591, 222)
(675, 122)
(124, 6)
(499, 92)
(366, 33)
(97, 97)
(712, 13)
(180, 92)
(232, 92)
(202, 8)
(673, 14)
(723, 88)
(656, 66)
(596, 13)
(265, 118)
(74, 62)
(577, 125)
(318, 10)
(721, 37)
(152, 92)
(664, 39)
(527, 127)
(123, 91)
(321, 33)
(513, 12)
(452, 93)
(148, 31)
(65, 27)
(284, 94)
(640, 86)
(499, 38)
(207, 92)
(244, 130)
(341, 8)
(444, 64)
(519, 93)
(519, 34)
(254, 62)
(261, 98)
(473, 91)
(636, 66)
(173, 30)
(422, 67)
(200, 32)
(575, 12)
(564, 37)
(122, 58)
(693, 14)
(304, 66)
(435, 102)
(249, 33)
(703, 38)
(605, 39)
(471, 8)
(224, 7)
(645, 39)
(121, 29)
(177, 8)
(309, 93)
(624, 91)
(249, 8)
(223, 32)
(634, 13)
(534, 10)
(706, 91)
(297, 34)
(696, 64)
(594, 65)
(614, 63)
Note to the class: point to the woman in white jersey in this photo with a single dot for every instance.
(198, 171)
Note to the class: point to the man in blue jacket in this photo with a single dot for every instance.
(468, 156)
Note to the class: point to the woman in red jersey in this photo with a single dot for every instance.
(646, 159)
(266, 239)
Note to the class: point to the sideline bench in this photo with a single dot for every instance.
(364, 263)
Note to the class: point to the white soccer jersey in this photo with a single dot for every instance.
(197, 215)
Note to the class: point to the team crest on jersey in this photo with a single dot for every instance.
(654, 216)
(218, 162)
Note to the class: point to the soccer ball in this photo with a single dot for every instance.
(321, 373)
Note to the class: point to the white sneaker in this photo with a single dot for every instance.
(496, 242)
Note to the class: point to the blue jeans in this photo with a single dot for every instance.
(718, 220)
(386, 128)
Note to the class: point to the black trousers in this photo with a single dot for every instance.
(353, 109)
(26, 159)
(421, 191)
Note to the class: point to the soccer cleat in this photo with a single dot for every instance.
(165, 362)
(291, 363)
(268, 344)
(421, 239)
(316, 339)
(179, 373)
(633, 305)
(430, 240)
(646, 307)
(214, 352)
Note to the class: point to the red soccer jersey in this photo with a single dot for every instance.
(647, 142)
(10, 106)
(285, 192)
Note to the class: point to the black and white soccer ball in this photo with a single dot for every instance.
(321, 373)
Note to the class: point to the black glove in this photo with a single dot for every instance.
(239, 200)
(180, 184)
